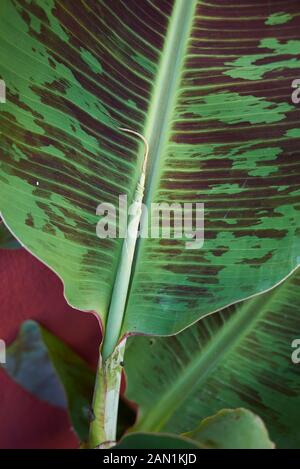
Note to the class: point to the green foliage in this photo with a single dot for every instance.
(197, 81)
(229, 429)
(239, 357)
(218, 131)
(232, 429)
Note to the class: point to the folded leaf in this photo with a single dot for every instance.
(240, 357)
(232, 429)
(49, 369)
(209, 87)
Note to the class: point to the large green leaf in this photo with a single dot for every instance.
(229, 429)
(240, 357)
(47, 368)
(232, 429)
(209, 86)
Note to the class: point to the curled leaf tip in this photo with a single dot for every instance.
(145, 142)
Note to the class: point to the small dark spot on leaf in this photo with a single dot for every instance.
(29, 220)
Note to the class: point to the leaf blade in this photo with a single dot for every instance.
(239, 357)
(229, 143)
(232, 429)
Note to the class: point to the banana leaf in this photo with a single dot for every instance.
(229, 429)
(239, 357)
(232, 429)
(209, 86)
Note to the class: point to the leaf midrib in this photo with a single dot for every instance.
(156, 132)
(164, 96)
